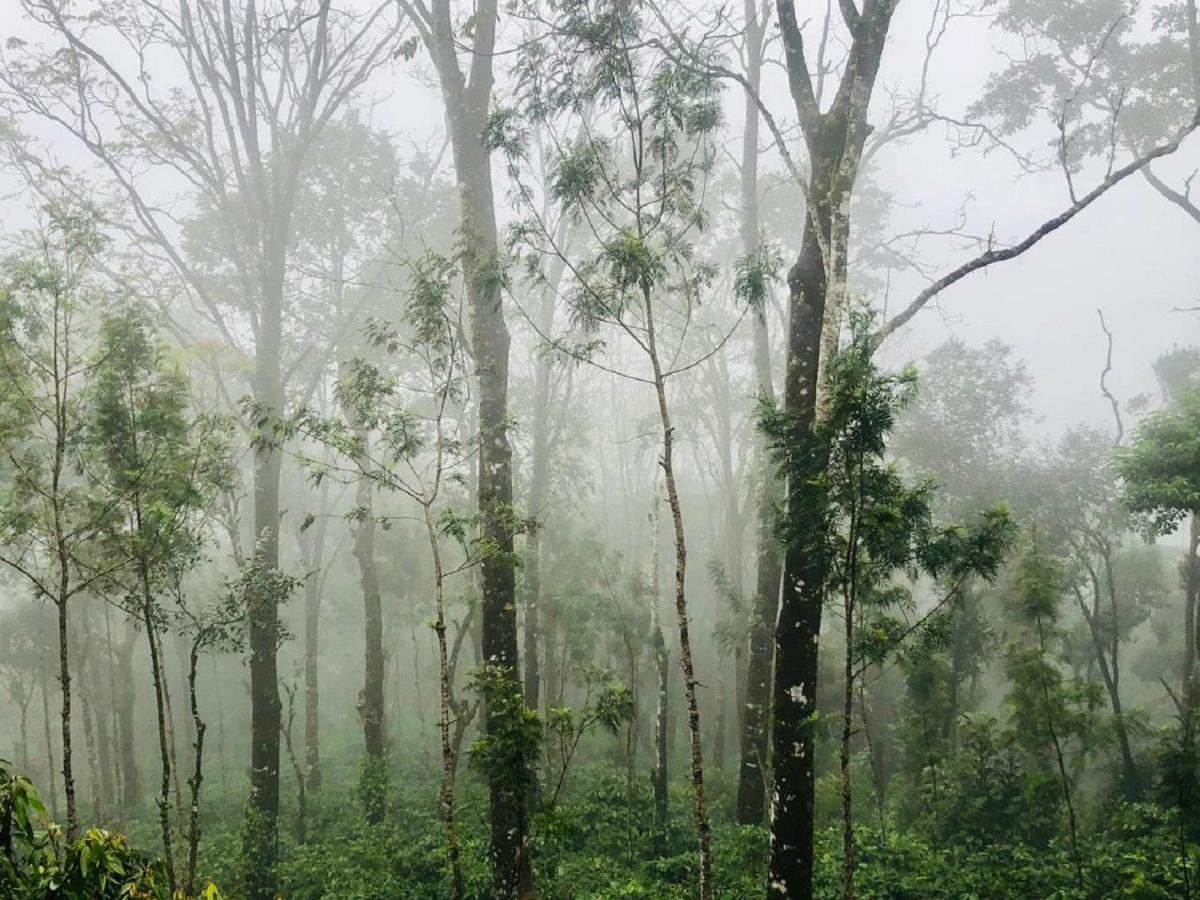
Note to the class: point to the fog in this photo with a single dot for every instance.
(599, 448)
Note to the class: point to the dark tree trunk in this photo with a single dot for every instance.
(1190, 571)
(64, 680)
(372, 701)
(466, 100)
(755, 719)
(798, 629)
(312, 548)
(817, 289)
(262, 833)
(164, 753)
(197, 777)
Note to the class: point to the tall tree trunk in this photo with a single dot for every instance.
(466, 102)
(817, 289)
(755, 718)
(261, 837)
(1190, 570)
(798, 629)
(539, 476)
(662, 670)
(131, 781)
(23, 701)
(164, 736)
(64, 680)
(197, 777)
(101, 700)
(446, 794)
(699, 803)
(371, 703)
(51, 778)
(312, 548)
(87, 708)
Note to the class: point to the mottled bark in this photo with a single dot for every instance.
(466, 100)
(817, 289)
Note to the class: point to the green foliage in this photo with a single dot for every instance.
(37, 860)
(513, 738)
(1161, 468)
(257, 855)
(373, 786)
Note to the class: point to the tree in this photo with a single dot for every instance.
(877, 528)
(835, 135)
(634, 180)
(466, 97)
(398, 433)
(1161, 470)
(50, 300)
(254, 90)
(160, 473)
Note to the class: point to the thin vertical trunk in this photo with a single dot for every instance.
(100, 701)
(313, 551)
(87, 710)
(371, 699)
(662, 672)
(539, 474)
(164, 737)
(64, 680)
(23, 701)
(49, 737)
(755, 718)
(1191, 581)
(197, 778)
(131, 781)
(446, 794)
(262, 834)
(1060, 759)
(699, 803)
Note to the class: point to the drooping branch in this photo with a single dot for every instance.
(992, 256)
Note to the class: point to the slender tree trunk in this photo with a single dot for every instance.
(371, 699)
(1059, 758)
(23, 723)
(87, 709)
(51, 779)
(100, 701)
(313, 551)
(662, 668)
(700, 806)
(64, 680)
(197, 779)
(539, 475)
(131, 781)
(446, 795)
(1191, 581)
(755, 718)
(172, 742)
(844, 752)
(164, 737)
